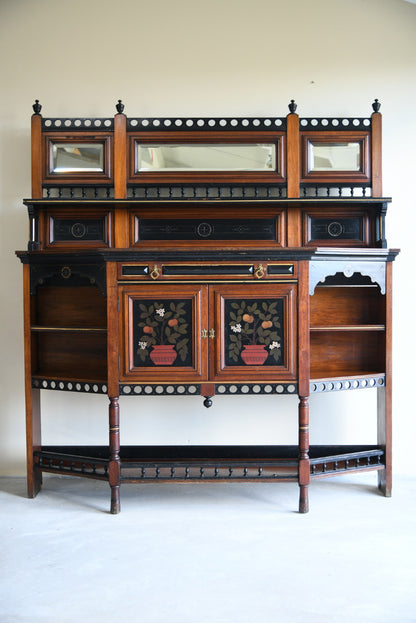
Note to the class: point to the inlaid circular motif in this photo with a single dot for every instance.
(78, 230)
(204, 230)
(334, 229)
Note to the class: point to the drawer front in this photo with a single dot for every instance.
(65, 230)
(208, 226)
(337, 228)
(206, 271)
(206, 229)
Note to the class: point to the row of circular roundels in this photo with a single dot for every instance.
(94, 388)
(256, 389)
(77, 123)
(335, 122)
(338, 385)
(202, 122)
(158, 389)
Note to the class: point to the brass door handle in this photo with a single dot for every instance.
(204, 334)
(212, 333)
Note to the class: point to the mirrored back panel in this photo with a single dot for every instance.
(336, 156)
(80, 159)
(202, 157)
(186, 157)
(77, 158)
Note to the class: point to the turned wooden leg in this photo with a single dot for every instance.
(115, 500)
(304, 465)
(303, 499)
(114, 471)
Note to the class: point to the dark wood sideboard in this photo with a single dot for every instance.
(196, 256)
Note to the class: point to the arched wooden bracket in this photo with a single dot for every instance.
(320, 270)
(207, 402)
(94, 274)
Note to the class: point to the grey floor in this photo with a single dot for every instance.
(213, 553)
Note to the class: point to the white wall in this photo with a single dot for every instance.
(211, 58)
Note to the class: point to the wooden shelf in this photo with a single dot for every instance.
(363, 327)
(324, 375)
(40, 329)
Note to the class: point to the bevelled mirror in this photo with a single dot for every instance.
(77, 158)
(206, 157)
(335, 157)
(73, 158)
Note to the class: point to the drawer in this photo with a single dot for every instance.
(347, 227)
(237, 226)
(206, 271)
(69, 229)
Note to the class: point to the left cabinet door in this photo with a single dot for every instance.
(164, 333)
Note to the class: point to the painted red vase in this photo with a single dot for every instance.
(254, 354)
(163, 355)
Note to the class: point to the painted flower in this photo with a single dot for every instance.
(254, 322)
(236, 328)
(162, 323)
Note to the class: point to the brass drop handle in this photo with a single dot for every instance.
(259, 271)
(155, 272)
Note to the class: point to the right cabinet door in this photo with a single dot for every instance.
(253, 332)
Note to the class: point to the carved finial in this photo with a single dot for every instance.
(292, 106)
(376, 105)
(120, 106)
(36, 107)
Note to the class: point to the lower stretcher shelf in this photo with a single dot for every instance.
(207, 463)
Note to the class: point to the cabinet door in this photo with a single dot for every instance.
(255, 332)
(161, 328)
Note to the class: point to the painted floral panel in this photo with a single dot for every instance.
(162, 332)
(253, 332)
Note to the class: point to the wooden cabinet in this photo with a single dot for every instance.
(158, 265)
(208, 333)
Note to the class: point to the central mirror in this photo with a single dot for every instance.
(209, 157)
(334, 156)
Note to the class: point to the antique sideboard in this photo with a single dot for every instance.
(207, 256)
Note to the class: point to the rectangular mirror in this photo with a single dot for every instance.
(334, 156)
(208, 157)
(77, 158)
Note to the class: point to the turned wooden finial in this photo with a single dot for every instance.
(37, 107)
(292, 106)
(120, 106)
(376, 105)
